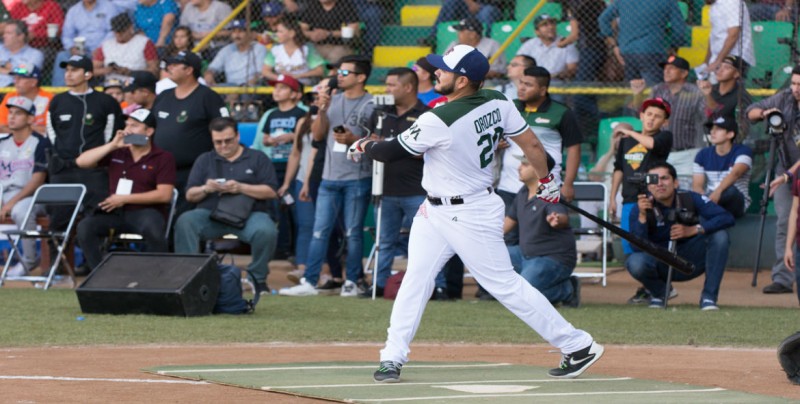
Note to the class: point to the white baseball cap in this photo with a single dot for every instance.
(464, 60)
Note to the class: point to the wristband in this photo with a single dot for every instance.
(546, 179)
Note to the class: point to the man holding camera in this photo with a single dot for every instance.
(665, 215)
(784, 103)
(142, 177)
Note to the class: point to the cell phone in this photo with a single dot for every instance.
(288, 199)
(135, 139)
(220, 180)
(339, 129)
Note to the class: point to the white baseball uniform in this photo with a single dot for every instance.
(458, 141)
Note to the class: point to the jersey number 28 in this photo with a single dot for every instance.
(487, 154)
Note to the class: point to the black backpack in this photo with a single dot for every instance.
(230, 300)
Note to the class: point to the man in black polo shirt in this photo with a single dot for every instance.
(402, 179)
(142, 177)
(727, 97)
(231, 169)
(183, 114)
(79, 120)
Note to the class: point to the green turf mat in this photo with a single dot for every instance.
(440, 382)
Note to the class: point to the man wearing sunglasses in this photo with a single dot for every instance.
(345, 186)
(26, 84)
(461, 215)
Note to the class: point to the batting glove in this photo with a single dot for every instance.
(355, 151)
(548, 189)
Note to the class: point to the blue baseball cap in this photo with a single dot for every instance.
(27, 71)
(463, 60)
(237, 24)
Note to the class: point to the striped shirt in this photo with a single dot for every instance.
(716, 168)
(688, 114)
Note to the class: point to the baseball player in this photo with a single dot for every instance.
(461, 215)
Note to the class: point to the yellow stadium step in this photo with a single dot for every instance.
(398, 56)
(700, 37)
(695, 56)
(706, 22)
(420, 15)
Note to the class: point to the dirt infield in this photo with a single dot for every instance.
(750, 370)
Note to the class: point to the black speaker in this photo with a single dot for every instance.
(165, 284)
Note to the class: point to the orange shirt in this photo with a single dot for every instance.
(41, 102)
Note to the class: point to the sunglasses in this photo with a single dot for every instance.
(345, 72)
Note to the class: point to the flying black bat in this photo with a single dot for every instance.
(660, 253)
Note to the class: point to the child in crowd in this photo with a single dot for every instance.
(722, 170)
(636, 152)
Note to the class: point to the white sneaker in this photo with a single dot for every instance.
(303, 289)
(16, 270)
(349, 289)
(295, 275)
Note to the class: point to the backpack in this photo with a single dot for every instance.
(230, 300)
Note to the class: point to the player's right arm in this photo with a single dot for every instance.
(533, 150)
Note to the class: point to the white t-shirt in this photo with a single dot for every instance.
(551, 57)
(725, 14)
(459, 140)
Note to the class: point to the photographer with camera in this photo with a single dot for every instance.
(664, 215)
(785, 103)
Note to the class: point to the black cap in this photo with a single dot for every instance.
(469, 23)
(725, 122)
(676, 61)
(189, 59)
(140, 79)
(121, 22)
(79, 61)
(736, 62)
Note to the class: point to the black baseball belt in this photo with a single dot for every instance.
(453, 200)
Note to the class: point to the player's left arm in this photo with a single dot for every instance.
(383, 151)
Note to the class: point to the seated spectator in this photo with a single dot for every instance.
(125, 52)
(635, 153)
(182, 41)
(142, 89)
(688, 111)
(239, 61)
(127, 6)
(38, 14)
(113, 87)
(142, 177)
(330, 25)
(705, 244)
(90, 22)
(23, 158)
(514, 71)
(771, 10)
(722, 170)
(561, 62)
(426, 76)
(26, 84)
(453, 10)
(156, 19)
(230, 169)
(202, 16)
(292, 56)
(271, 14)
(546, 254)
(469, 33)
(15, 51)
(727, 97)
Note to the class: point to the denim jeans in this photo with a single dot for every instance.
(644, 66)
(370, 13)
(625, 224)
(393, 208)
(350, 198)
(589, 67)
(512, 237)
(708, 253)
(457, 10)
(304, 224)
(732, 200)
(259, 231)
(543, 273)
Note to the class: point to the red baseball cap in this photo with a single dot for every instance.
(658, 103)
(289, 81)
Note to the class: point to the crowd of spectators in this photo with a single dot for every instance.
(143, 53)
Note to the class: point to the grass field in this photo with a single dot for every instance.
(35, 318)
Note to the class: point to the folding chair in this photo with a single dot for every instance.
(138, 238)
(48, 195)
(594, 192)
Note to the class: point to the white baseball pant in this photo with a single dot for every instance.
(474, 231)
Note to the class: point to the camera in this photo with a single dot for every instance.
(775, 122)
(642, 180)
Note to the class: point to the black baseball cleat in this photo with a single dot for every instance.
(388, 372)
(572, 365)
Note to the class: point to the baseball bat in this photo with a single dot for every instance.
(660, 253)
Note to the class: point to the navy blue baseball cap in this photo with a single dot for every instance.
(464, 60)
